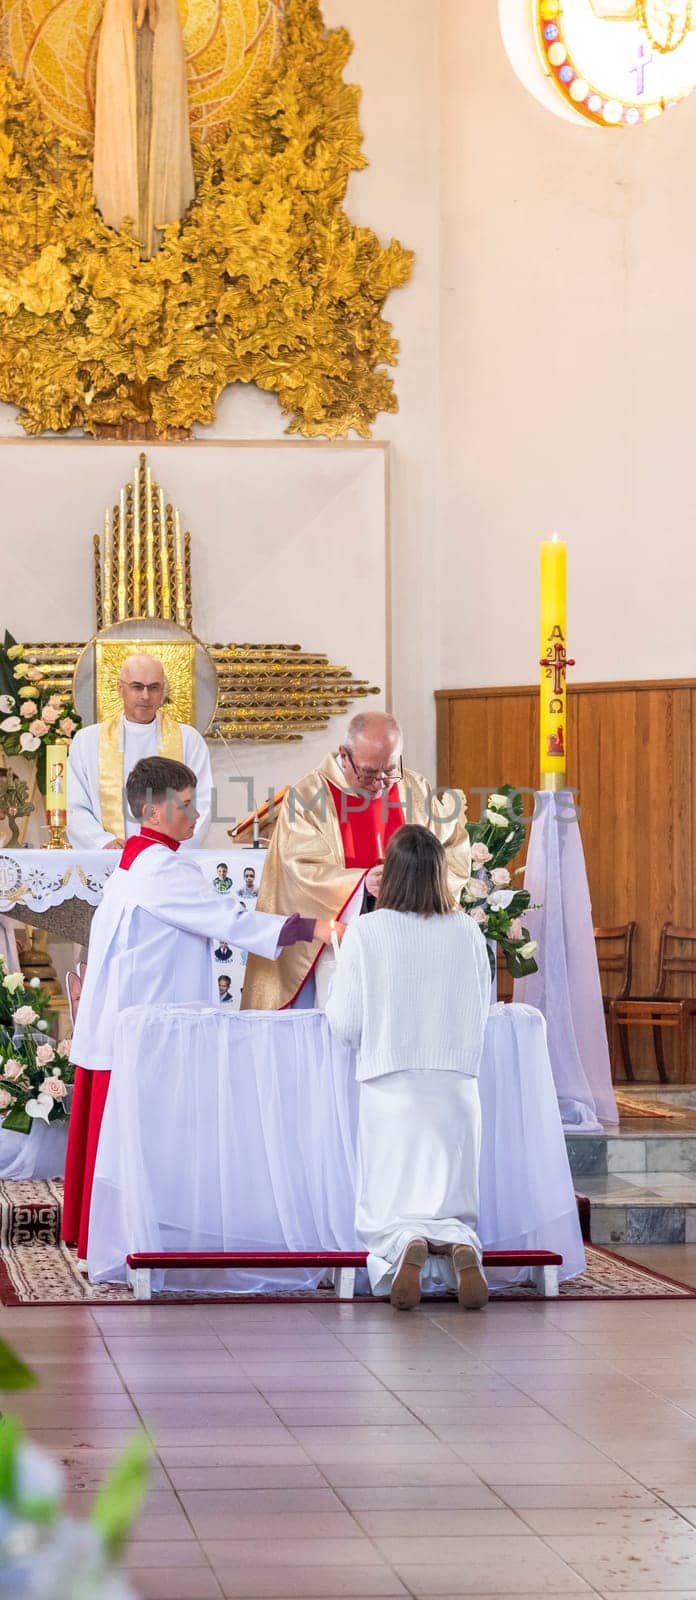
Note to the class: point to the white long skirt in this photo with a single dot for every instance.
(419, 1143)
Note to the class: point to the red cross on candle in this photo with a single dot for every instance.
(557, 661)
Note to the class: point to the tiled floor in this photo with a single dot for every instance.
(349, 1451)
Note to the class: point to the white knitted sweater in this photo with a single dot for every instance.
(411, 993)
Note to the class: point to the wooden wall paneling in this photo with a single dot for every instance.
(632, 757)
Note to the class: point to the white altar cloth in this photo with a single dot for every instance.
(228, 1130)
(39, 1154)
(36, 883)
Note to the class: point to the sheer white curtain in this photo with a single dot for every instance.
(228, 1131)
(225, 1131)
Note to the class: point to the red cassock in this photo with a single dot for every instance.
(88, 1102)
(366, 832)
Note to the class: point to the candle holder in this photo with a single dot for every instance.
(552, 782)
(57, 830)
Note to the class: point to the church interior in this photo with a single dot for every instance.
(347, 799)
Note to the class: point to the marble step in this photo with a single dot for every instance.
(665, 1148)
(635, 1208)
(640, 1178)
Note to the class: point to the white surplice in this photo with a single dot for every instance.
(149, 945)
(138, 740)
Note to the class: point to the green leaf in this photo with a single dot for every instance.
(519, 903)
(17, 1120)
(122, 1494)
(13, 1373)
(10, 1440)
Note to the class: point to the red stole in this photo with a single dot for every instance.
(366, 833)
(89, 1100)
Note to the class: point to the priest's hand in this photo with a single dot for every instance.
(114, 844)
(373, 881)
(324, 930)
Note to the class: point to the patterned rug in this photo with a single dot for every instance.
(36, 1269)
(629, 1105)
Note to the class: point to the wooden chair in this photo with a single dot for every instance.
(615, 956)
(659, 1010)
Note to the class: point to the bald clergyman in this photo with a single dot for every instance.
(325, 857)
(102, 757)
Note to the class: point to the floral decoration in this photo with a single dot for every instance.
(35, 1073)
(32, 715)
(489, 896)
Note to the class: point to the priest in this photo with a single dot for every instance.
(103, 755)
(327, 850)
(150, 945)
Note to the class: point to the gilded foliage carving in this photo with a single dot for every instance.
(265, 281)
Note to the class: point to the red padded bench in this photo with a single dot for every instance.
(341, 1264)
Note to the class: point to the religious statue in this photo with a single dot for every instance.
(143, 169)
(139, 79)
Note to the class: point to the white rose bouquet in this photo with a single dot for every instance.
(489, 897)
(32, 713)
(35, 1074)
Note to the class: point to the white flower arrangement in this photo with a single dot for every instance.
(33, 715)
(35, 1073)
(489, 897)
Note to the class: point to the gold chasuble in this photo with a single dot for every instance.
(305, 870)
(111, 780)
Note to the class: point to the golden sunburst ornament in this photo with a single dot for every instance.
(266, 280)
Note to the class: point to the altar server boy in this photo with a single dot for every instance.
(411, 994)
(150, 945)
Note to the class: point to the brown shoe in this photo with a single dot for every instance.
(472, 1287)
(405, 1291)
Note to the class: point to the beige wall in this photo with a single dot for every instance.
(568, 370)
(548, 365)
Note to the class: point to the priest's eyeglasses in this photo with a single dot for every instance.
(367, 775)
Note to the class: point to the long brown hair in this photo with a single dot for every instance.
(415, 874)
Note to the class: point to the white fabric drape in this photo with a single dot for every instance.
(527, 1196)
(259, 1108)
(39, 1154)
(238, 1131)
(567, 986)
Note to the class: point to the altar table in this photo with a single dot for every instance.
(58, 890)
(236, 1131)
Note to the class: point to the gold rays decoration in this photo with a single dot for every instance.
(142, 562)
(265, 281)
(267, 693)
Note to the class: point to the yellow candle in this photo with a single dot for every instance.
(57, 782)
(553, 660)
